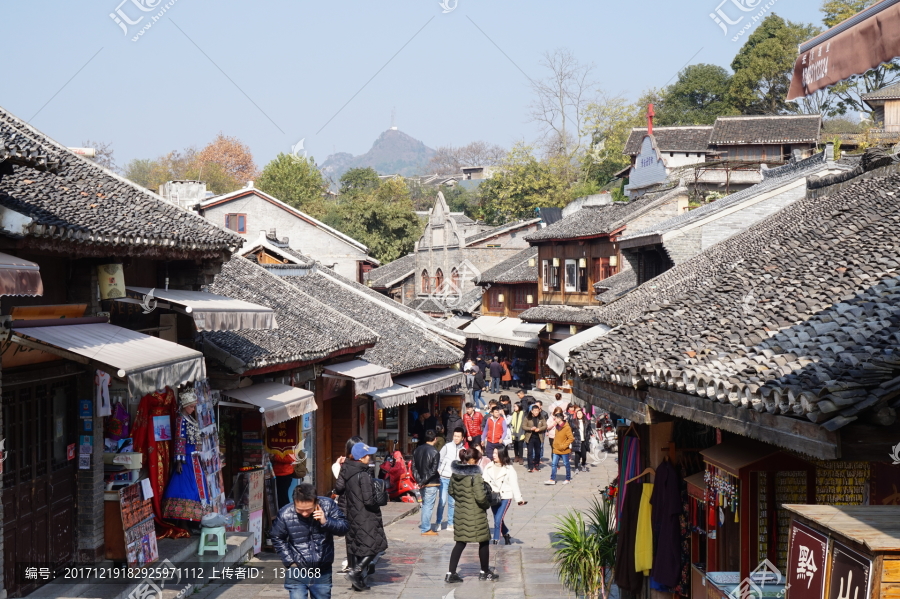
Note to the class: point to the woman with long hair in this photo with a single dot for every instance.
(342, 503)
(582, 431)
(470, 523)
(516, 426)
(503, 479)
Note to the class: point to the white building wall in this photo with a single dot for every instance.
(302, 236)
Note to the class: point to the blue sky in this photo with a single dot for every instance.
(272, 72)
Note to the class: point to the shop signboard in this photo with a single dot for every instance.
(257, 480)
(806, 563)
(256, 527)
(850, 573)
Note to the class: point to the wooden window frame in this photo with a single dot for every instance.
(494, 304)
(545, 275)
(237, 216)
(573, 288)
(426, 282)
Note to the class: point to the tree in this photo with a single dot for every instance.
(560, 102)
(382, 219)
(522, 184)
(610, 121)
(448, 160)
(359, 180)
(103, 154)
(763, 67)
(698, 97)
(232, 155)
(296, 181)
(836, 11)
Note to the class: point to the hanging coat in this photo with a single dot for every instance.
(666, 501)
(626, 576)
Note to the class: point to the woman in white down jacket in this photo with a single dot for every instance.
(503, 479)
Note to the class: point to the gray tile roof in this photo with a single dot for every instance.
(587, 315)
(392, 273)
(404, 345)
(594, 221)
(71, 199)
(671, 139)
(514, 269)
(461, 218)
(308, 329)
(501, 230)
(612, 287)
(799, 315)
(891, 92)
(772, 179)
(735, 130)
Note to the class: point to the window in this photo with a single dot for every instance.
(602, 269)
(426, 282)
(545, 275)
(520, 297)
(554, 277)
(454, 280)
(571, 274)
(494, 304)
(236, 222)
(439, 281)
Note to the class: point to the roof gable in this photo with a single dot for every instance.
(671, 139)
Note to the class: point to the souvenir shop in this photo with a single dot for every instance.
(721, 507)
(522, 355)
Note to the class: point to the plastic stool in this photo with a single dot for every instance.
(219, 544)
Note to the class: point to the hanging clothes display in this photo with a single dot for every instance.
(643, 541)
(186, 496)
(152, 437)
(101, 384)
(630, 466)
(667, 508)
(627, 577)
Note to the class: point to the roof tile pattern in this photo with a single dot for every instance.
(502, 229)
(88, 204)
(620, 283)
(587, 315)
(514, 269)
(734, 130)
(392, 273)
(403, 346)
(671, 139)
(307, 330)
(891, 92)
(799, 315)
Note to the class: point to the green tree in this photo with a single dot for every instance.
(460, 199)
(296, 181)
(382, 219)
(763, 66)
(698, 97)
(359, 180)
(610, 121)
(522, 184)
(836, 11)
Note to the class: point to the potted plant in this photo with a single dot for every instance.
(585, 549)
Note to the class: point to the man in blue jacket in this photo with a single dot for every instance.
(303, 535)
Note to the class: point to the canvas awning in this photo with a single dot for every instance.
(210, 312)
(528, 329)
(146, 363)
(852, 47)
(19, 277)
(503, 333)
(558, 356)
(366, 377)
(393, 396)
(431, 381)
(481, 325)
(277, 402)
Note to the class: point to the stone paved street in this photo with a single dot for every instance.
(414, 566)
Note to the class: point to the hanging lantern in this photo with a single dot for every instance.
(111, 278)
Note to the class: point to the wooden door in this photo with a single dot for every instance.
(38, 480)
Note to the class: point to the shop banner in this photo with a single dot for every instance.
(850, 573)
(281, 438)
(806, 563)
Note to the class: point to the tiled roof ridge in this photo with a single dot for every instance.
(499, 230)
(768, 116)
(498, 272)
(391, 273)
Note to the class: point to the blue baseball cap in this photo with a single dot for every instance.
(361, 449)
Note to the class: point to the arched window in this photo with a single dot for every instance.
(426, 282)
(439, 281)
(454, 280)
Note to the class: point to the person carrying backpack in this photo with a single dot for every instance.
(365, 536)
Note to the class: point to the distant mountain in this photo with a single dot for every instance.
(392, 153)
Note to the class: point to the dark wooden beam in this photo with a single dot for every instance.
(626, 402)
(790, 433)
(865, 442)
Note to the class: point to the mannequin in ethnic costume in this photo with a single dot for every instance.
(157, 454)
(186, 497)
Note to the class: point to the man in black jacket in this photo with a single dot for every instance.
(426, 461)
(303, 535)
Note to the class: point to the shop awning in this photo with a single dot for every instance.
(277, 402)
(528, 329)
(393, 396)
(558, 356)
(19, 277)
(366, 377)
(852, 47)
(432, 381)
(481, 325)
(503, 333)
(456, 322)
(147, 363)
(210, 312)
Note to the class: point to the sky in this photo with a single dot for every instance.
(275, 72)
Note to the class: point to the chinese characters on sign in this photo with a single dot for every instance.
(850, 574)
(806, 562)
